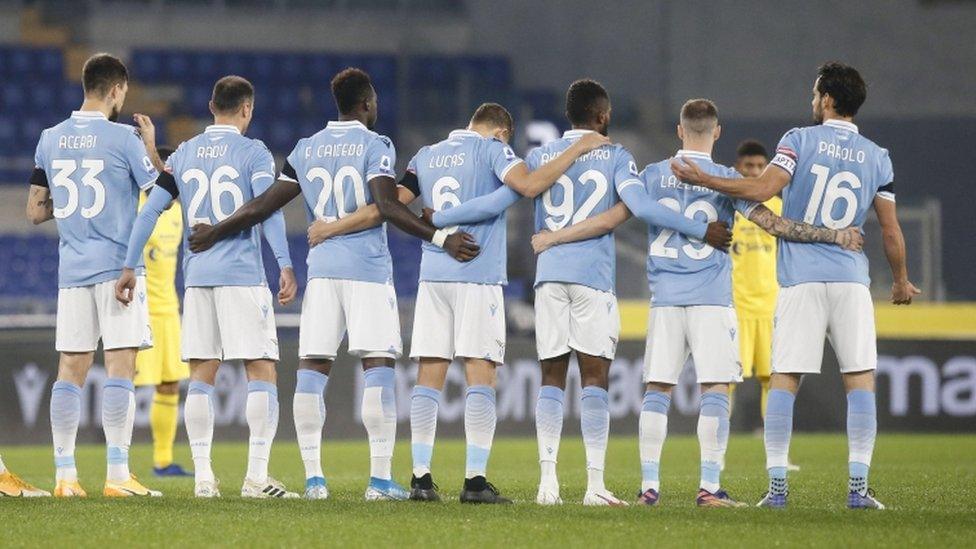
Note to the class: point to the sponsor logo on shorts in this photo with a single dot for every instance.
(493, 307)
(731, 333)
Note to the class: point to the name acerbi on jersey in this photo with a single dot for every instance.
(77, 141)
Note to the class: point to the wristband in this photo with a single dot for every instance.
(440, 235)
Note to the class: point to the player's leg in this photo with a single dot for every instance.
(747, 354)
(480, 418)
(664, 357)
(552, 344)
(13, 486)
(198, 414)
(852, 335)
(432, 346)
(801, 325)
(118, 411)
(76, 338)
(164, 412)
(321, 330)
(261, 411)
(595, 426)
(713, 340)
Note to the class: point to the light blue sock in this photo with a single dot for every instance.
(261, 411)
(65, 415)
(862, 428)
(595, 427)
(308, 410)
(479, 428)
(549, 428)
(653, 430)
(778, 430)
(379, 417)
(713, 438)
(423, 427)
(117, 396)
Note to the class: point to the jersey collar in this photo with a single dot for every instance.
(841, 124)
(694, 154)
(345, 125)
(463, 133)
(89, 115)
(222, 128)
(573, 134)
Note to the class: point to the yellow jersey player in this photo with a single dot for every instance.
(160, 365)
(754, 284)
(12, 486)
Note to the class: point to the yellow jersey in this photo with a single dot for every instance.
(161, 255)
(753, 251)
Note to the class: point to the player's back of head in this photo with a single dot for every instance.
(586, 100)
(493, 115)
(699, 116)
(351, 87)
(844, 84)
(101, 73)
(230, 93)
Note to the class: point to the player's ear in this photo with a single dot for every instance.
(681, 132)
(213, 110)
(717, 132)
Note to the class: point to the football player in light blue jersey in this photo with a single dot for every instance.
(344, 168)
(576, 309)
(228, 312)
(829, 176)
(691, 301)
(87, 176)
(460, 310)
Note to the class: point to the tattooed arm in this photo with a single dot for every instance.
(849, 238)
(40, 207)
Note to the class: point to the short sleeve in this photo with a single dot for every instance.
(380, 158)
(288, 171)
(887, 190)
(786, 152)
(625, 172)
(501, 158)
(143, 172)
(262, 169)
(39, 176)
(532, 159)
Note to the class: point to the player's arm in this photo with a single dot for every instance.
(157, 202)
(360, 220)
(592, 227)
(797, 231)
(759, 189)
(533, 183)
(255, 211)
(477, 209)
(902, 290)
(147, 131)
(643, 206)
(40, 205)
(460, 245)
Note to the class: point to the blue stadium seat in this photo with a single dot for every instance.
(148, 66)
(71, 97)
(14, 96)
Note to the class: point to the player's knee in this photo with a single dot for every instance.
(480, 372)
(659, 387)
(261, 370)
(320, 365)
(168, 388)
(554, 371)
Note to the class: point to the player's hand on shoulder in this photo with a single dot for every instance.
(850, 239)
(686, 169)
(718, 235)
(201, 238)
(428, 215)
(461, 246)
(543, 240)
(903, 292)
(318, 232)
(125, 286)
(147, 130)
(287, 286)
(592, 140)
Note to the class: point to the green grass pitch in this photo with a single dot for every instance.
(927, 481)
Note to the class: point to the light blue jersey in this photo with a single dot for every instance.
(464, 166)
(589, 187)
(685, 271)
(216, 173)
(835, 175)
(333, 168)
(94, 169)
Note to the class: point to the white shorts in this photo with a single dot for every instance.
(709, 333)
(366, 310)
(87, 313)
(805, 313)
(459, 319)
(229, 323)
(575, 317)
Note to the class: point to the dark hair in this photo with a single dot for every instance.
(751, 147)
(584, 101)
(101, 72)
(844, 84)
(351, 87)
(699, 115)
(494, 115)
(230, 92)
(164, 152)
